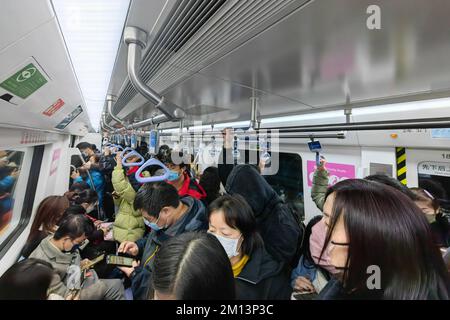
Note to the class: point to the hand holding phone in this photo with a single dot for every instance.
(119, 260)
(90, 263)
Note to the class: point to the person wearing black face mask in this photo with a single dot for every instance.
(61, 251)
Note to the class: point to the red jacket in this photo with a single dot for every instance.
(191, 188)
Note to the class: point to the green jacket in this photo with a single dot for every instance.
(129, 224)
(319, 187)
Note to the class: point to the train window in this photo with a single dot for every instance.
(435, 178)
(17, 187)
(10, 169)
(288, 182)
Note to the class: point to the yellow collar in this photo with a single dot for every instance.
(237, 268)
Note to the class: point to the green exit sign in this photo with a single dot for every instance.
(24, 82)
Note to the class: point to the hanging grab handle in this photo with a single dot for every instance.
(132, 164)
(152, 162)
(122, 154)
(115, 146)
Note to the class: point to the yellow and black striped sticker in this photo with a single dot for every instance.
(400, 154)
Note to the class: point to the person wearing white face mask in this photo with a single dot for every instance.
(258, 276)
(167, 215)
(88, 199)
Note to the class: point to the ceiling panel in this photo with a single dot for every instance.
(324, 51)
(45, 46)
(222, 101)
(19, 17)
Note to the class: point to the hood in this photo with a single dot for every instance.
(198, 218)
(246, 181)
(132, 170)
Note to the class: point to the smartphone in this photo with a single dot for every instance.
(119, 260)
(94, 262)
(304, 296)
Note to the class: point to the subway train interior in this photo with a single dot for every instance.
(273, 95)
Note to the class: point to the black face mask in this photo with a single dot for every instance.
(74, 248)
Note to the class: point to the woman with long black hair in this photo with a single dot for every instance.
(383, 244)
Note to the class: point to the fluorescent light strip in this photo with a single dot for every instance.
(303, 117)
(388, 108)
(92, 31)
(403, 107)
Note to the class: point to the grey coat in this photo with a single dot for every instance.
(92, 288)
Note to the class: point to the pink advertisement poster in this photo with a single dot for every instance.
(55, 159)
(338, 172)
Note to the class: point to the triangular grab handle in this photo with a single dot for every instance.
(152, 162)
(132, 164)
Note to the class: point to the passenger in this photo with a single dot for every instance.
(167, 215)
(430, 206)
(6, 210)
(382, 243)
(142, 149)
(8, 177)
(27, 280)
(258, 276)
(279, 229)
(88, 199)
(96, 245)
(45, 223)
(105, 165)
(179, 175)
(210, 182)
(97, 235)
(193, 266)
(128, 224)
(78, 187)
(91, 176)
(313, 271)
(320, 184)
(227, 162)
(60, 250)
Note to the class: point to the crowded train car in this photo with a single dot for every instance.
(224, 150)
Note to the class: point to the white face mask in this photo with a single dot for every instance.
(230, 245)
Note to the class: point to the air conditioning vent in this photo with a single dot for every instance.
(194, 32)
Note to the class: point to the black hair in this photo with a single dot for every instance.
(73, 226)
(79, 186)
(152, 197)
(238, 215)
(167, 155)
(386, 229)
(28, 279)
(86, 145)
(74, 209)
(163, 151)
(389, 181)
(85, 196)
(193, 266)
(210, 181)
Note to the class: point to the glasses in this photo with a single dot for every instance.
(340, 243)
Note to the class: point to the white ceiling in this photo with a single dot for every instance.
(29, 30)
